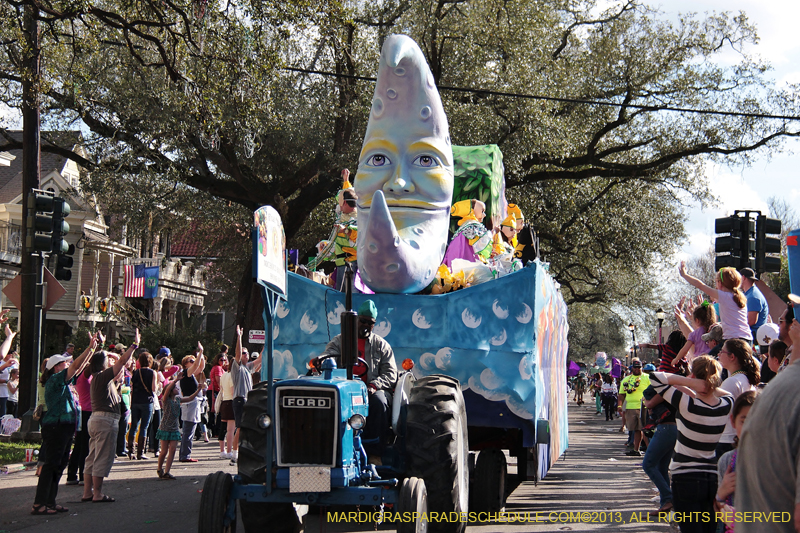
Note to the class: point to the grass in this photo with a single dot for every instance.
(14, 452)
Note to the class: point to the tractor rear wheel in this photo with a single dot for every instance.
(489, 488)
(214, 504)
(437, 448)
(413, 499)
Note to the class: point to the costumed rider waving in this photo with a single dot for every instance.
(381, 378)
(341, 247)
(471, 227)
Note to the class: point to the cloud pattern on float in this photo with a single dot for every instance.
(485, 336)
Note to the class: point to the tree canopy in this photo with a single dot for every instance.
(195, 96)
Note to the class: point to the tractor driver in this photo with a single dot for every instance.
(381, 378)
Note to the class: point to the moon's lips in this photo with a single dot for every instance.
(403, 261)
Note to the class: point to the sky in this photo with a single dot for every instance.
(749, 187)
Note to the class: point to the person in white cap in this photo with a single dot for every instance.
(58, 425)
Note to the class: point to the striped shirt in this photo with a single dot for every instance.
(700, 427)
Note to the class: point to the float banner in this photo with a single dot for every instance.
(793, 253)
(269, 250)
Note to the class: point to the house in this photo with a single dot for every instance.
(95, 296)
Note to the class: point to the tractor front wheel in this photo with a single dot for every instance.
(214, 504)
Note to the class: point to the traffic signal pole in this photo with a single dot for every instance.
(29, 337)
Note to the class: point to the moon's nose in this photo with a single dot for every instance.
(399, 183)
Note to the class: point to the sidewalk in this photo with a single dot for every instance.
(144, 503)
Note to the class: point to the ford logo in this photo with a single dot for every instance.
(304, 402)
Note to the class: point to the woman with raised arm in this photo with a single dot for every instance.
(104, 423)
(58, 424)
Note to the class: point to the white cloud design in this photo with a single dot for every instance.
(382, 328)
(490, 380)
(443, 358)
(499, 340)
(307, 325)
(419, 320)
(513, 404)
(526, 315)
(470, 320)
(499, 311)
(282, 309)
(335, 316)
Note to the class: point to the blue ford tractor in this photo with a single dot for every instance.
(301, 444)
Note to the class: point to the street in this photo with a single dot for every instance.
(594, 477)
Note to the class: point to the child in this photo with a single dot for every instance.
(169, 432)
(732, 301)
(726, 467)
(703, 318)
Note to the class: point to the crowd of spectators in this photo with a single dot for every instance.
(120, 403)
(721, 411)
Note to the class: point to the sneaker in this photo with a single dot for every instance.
(234, 456)
(189, 460)
(223, 455)
(634, 453)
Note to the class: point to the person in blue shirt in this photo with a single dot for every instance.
(757, 307)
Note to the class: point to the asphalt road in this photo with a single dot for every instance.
(586, 479)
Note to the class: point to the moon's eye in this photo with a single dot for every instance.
(378, 160)
(426, 161)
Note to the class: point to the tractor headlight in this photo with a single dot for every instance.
(264, 421)
(357, 421)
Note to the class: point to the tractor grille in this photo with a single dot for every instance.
(307, 426)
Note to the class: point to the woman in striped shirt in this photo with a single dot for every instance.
(702, 411)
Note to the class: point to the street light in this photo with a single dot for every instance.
(633, 334)
(660, 316)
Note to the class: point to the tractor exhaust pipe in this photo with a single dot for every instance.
(349, 324)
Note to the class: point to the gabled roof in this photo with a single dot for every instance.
(11, 176)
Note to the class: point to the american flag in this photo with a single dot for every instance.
(134, 281)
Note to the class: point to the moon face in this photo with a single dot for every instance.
(499, 312)
(526, 315)
(282, 309)
(490, 380)
(419, 320)
(335, 316)
(307, 325)
(382, 328)
(470, 320)
(499, 340)
(405, 176)
(525, 370)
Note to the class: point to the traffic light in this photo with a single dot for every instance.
(739, 245)
(64, 263)
(40, 221)
(60, 227)
(767, 245)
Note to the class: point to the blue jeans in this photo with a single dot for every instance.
(140, 412)
(694, 493)
(187, 438)
(657, 457)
